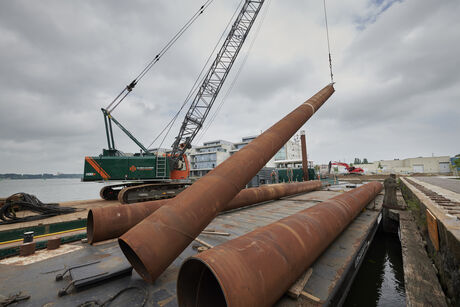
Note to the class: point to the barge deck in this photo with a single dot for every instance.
(331, 274)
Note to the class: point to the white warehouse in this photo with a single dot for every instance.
(431, 165)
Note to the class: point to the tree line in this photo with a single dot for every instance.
(38, 176)
(358, 161)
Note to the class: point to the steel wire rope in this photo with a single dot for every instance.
(125, 92)
(227, 93)
(244, 61)
(200, 77)
(328, 44)
(95, 302)
(195, 86)
(27, 202)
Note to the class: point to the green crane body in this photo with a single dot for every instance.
(106, 167)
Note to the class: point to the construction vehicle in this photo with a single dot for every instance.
(350, 169)
(152, 174)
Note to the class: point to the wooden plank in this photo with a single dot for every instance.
(310, 297)
(203, 243)
(296, 289)
(217, 233)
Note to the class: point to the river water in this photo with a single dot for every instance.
(52, 190)
(380, 279)
(379, 282)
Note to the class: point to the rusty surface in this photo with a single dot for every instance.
(326, 268)
(33, 279)
(153, 244)
(303, 144)
(27, 249)
(53, 243)
(270, 192)
(432, 224)
(334, 269)
(112, 222)
(256, 269)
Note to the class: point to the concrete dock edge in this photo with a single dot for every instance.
(446, 260)
(420, 280)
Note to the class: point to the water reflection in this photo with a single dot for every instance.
(380, 280)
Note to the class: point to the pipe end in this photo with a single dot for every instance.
(90, 227)
(197, 285)
(135, 261)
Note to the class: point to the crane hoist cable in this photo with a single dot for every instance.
(194, 88)
(197, 82)
(125, 92)
(328, 44)
(214, 115)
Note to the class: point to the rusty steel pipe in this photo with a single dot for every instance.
(257, 269)
(106, 223)
(270, 192)
(153, 244)
(303, 144)
(111, 222)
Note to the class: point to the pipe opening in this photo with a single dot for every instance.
(135, 261)
(90, 227)
(198, 286)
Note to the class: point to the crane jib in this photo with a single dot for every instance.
(215, 78)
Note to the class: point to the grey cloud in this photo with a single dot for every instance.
(397, 88)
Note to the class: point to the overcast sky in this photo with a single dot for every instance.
(395, 66)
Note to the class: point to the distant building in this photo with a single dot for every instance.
(205, 158)
(244, 141)
(291, 151)
(324, 168)
(455, 169)
(431, 165)
(293, 163)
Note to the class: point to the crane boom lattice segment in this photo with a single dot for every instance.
(214, 79)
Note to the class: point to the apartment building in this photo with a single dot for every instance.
(205, 158)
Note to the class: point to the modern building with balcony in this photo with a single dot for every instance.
(205, 158)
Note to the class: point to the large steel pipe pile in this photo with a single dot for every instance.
(111, 222)
(257, 269)
(270, 192)
(303, 144)
(106, 223)
(153, 244)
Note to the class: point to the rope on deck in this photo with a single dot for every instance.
(26, 202)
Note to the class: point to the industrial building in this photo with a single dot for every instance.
(427, 165)
(455, 168)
